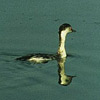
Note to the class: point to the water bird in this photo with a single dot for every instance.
(64, 29)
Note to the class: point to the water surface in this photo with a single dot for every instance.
(32, 26)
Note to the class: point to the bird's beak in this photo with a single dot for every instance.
(73, 30)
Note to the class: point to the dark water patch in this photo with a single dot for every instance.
(84, 20)
(8, 54)
(30, 18)
(97, 23)
(20, 23)
(23, 13)
(72, 55)
(56, 20)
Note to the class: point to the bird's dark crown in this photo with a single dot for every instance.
(63, 27)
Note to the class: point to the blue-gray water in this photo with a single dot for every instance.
(29, 26)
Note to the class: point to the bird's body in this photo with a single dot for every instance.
(38, 58)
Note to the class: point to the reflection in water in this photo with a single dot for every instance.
(63, 78)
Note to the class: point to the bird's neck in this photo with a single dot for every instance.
(61, 50)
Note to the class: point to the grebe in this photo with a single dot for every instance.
(64, 29)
